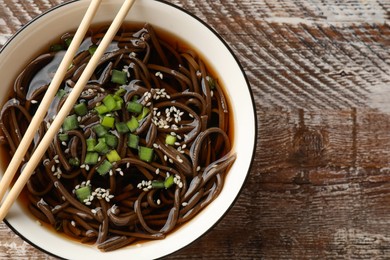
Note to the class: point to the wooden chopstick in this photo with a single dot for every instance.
(66, 108)
(48, 97)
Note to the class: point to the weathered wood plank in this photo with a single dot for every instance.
(319, 72)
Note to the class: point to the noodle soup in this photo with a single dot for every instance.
(145, 149)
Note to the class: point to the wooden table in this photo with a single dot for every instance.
(320, 75)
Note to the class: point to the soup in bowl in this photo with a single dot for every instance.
(155, 150)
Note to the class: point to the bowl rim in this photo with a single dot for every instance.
(247, 83)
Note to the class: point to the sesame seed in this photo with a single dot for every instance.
(128, 165)
(158, 202)
(165, 158)
(184, 204)
(53, 168)
(170, 160)
(158, 171)
(87, 167)
(82, 166)
(34, 101)
(64, 143)
(121, 173)
(198, 168)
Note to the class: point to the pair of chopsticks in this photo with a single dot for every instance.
(66, 108)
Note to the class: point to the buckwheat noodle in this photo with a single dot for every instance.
(134, 199)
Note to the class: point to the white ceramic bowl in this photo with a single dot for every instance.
(25, 44)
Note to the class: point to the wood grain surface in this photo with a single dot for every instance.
(320, 76)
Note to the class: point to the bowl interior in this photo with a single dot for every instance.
(27, 43)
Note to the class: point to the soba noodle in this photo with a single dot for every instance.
(146, 148)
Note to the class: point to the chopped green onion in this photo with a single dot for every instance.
(110, 102)
(70, 123)
(102, 109)
(100, 130)
(133, 141)
(63, 137)
(134, 107)
(132, 124)
(83, 193)
(91, 158)
(92, 49)
(144, 113)
(101, 147)
(91, 142)
(135, 98)
(121, 127)
(61, 93)
(119, 105)
(119, 77)
(111, 140)
(108, 121)
(158, 184)
(145, 153)
(102, 139)
(68, 41)
(56, 47)
(81, 109)
(169, 182)
(104, 168)
(113, 156)
(74, 162)
(117, 98)
(170, 139)
(120, 92)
